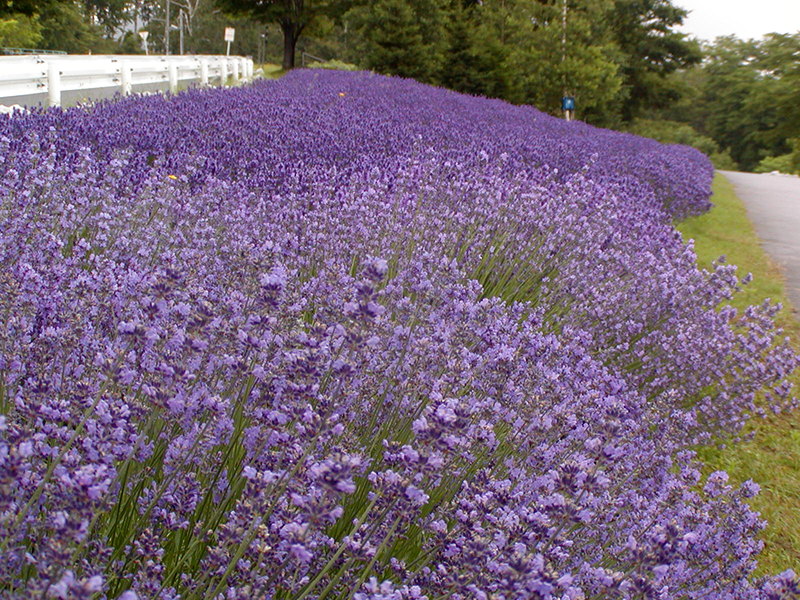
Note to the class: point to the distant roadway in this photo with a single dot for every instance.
(773, 205)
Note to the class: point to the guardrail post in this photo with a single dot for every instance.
(172, 67)
(53, 84)
(235, 71)
(125, 78)
(203, 71)
(223, 72)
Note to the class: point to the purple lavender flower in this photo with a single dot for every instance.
(256, 344)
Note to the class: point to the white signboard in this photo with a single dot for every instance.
(229, 33)
(143, 35)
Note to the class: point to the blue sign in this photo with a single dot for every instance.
(568, 103)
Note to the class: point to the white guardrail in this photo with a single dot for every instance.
(56, 76)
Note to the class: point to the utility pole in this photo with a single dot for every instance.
(166, 32)
(181, 17)
(564, 38)
(262, 47)
(567, 101)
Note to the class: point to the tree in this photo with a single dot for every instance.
(67, 28)
(19, 23)
(20, 31)
(650, 50)
(293, 16)
(510, 49)
(111, 14)
(537, 69)
(750, 96)
(75, 26)
(779, 63)
(744, 95)
(476, 61)
(400, 37)
(27, 8)
(205, 27)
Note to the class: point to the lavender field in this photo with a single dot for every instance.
(346, 336)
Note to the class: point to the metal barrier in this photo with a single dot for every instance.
(53, 79)
(15, 51)
(312, 57)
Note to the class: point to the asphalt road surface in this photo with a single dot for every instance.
(773, 205)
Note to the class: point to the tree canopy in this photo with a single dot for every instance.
(293, 16)
(744, 95)
(650, 49)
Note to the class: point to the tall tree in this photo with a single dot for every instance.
(19, 7)
(476, 61)
(67, 27)
(293, 17)
(111, 14)
(750, 96)
(779, 60)
(651, 49)
(400, 37)
(19, 23)
(20, 31)
(540, 67)
(206, 23)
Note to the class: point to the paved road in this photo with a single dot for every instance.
(773, 205)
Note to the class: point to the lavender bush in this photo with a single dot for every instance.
(345, 336)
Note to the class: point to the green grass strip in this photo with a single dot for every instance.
(772, 458)
(270, 70)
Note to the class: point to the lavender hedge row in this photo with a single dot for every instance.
(345, 336)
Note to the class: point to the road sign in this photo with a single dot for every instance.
(229, 33)
(143, 35)
(568, 103)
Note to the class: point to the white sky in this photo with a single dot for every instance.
(743, 18)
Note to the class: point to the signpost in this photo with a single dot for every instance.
(568, 106)
(143, 35)
(262, 48)
(229, 33)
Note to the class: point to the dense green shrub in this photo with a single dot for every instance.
(336, 65)
(785, 163)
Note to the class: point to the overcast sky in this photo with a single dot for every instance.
(743, 18)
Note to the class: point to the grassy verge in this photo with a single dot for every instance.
(271, 70)
(772, 458)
